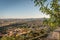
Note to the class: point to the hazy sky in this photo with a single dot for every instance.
(19, 9)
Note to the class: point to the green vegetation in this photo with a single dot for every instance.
(37, 31)
(7, 38)
(51, 8)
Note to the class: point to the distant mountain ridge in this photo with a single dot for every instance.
(4, 22)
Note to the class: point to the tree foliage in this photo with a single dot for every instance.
(51, 8)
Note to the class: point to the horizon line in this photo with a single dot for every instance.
(21, 18)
